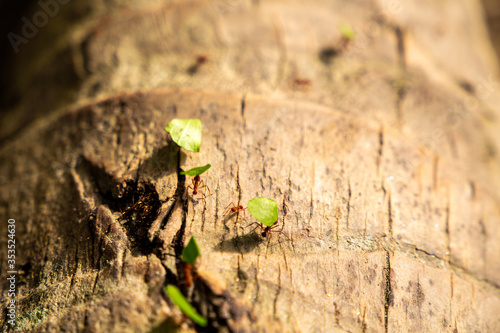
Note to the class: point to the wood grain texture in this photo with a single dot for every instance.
(384, 166)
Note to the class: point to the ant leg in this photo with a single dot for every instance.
(283, 226)
(242, 218)
(228, 209)
(204, 196)
(281, 233)
(244, 213)
(258, 224)
(193, 183)
(205, 185)
(186, 193)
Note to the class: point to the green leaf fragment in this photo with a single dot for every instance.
(184, 305)
(191, 252)
(347, 31)
(264, 210)
(186, 133)
(196, 171)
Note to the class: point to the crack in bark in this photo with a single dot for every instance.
(380, 150)
(484, 243)
(203, 215)
(238, 188)
(401, 49)
(217, 189)
(387, 194)
(263, 173)
(178, 240)
(401, 92)
(124, 256)
(348, 208)
(284, 207)
(92, 217)
(275, 301)
(219, 148)
(242, 108)
(401, 88)
(388, 293)
(472, 186)
(95, 281)
(257, 286)
(179, 193)
(72, 282)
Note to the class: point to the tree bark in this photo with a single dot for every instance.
(382, 154)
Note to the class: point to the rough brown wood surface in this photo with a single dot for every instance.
(383, 158)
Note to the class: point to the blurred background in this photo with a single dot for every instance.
(492, 15)
(13, 11)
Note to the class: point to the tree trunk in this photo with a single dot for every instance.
(381, 152)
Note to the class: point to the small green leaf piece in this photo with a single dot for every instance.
(347, 31)
(184, 305)
(264, 210)
(191, 252)
(196, 171)
(186, 133)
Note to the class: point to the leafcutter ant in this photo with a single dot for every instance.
(198, 184)
(234, 209)
(267, 231)
(302, 83)
(190, 274)
(200, 60)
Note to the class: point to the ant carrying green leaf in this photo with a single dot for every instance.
(265, 211)
(197, 182)
(189, 255)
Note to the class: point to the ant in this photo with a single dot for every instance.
(267, 232)
(234, 209)
(198, 184)
(190, 274)
(302, 83)
(200, 60)
(190, 271)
